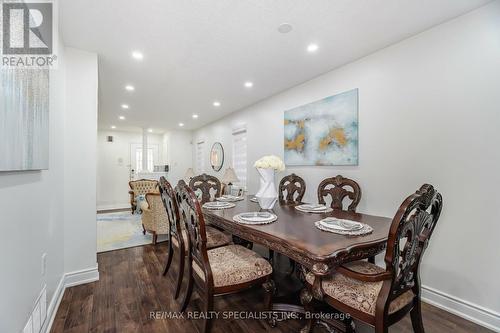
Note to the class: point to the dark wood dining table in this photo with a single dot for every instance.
(295, 236)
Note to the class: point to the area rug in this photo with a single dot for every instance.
(121, 230)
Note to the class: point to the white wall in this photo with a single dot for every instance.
(178, 154)
(112, 175)
(80, 135)
(428, 112)
(41, 208)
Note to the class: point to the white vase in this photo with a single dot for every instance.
(267, 194)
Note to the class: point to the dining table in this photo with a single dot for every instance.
(295, 235)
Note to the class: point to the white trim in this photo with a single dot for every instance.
(467, 310)
(114, 206)
(70, 279)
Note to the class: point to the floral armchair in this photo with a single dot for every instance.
(141, 187)
(154, 218)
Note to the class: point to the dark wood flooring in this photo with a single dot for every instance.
(131, 286)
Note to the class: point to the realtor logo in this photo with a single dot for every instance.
(28, 34)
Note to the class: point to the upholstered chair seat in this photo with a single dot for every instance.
(154, 219)
(215, 238)
(357, 294)
(233, 265)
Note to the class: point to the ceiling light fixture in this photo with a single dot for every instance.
(121, 117)
(181, 124)
(195, 116)
(125, 106)
(285, 28)
(150, 130)
(137, 55)
(113, 126)
(249, 84)
(311, 48)
(129, 87)
(216, 103)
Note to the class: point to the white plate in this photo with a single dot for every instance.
(217, 204)
(229, 198)
(340, 224)
(256, 216)
(313, 207)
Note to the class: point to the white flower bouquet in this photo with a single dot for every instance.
(270, 162)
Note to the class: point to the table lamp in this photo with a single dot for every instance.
(189, 174)
(229, 178)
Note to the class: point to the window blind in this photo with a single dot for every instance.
(240, 157)
(200, 160)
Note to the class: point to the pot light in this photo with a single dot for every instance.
(249, 84)
(150, 130)
(129, 87)
(181, 124)
(121, 117)
(285, 28)
(195, 116)
(216, 103)
(113, 127)
(311, 48)
(125, 106)
(137, 55)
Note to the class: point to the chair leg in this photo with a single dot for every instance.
(143, 230)
(182, 260)
(169, 256)
(155, 238)
(416, 318)
(270, 289)
(306, 298)
(208, 308)
(189, 289)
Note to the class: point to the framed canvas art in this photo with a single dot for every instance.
(323, 132)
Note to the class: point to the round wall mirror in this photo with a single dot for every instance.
(217, 156)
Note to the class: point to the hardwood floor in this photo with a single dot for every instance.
(131, 286)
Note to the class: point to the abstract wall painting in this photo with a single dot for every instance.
(323, 132)
(24, 119)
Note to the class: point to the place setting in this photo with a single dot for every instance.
(218, 205)
(229, 198)
(343, 227)
(313, 208)
(255, 218)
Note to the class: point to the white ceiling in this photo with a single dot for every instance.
(196, 52)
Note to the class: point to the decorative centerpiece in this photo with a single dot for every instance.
(267, 167)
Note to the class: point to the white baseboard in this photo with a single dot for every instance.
(70, 279)
(472, 312)
(114, 206)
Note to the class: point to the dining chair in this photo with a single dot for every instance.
(291, 190)
(206, 184)
(382, 296)
(338, 188)
(177, 236)
(223, 270)
(294, 187)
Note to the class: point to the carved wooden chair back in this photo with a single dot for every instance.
(169, 199)
(191, 213)
(339, 188)
(206, 183)
(409, 235)
(295, 188)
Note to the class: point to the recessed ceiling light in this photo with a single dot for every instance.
(121, 117)
(312, 48)
(249, 84)
(150, 130)
(181, 124)
(137, 55)
(285, 28)
(195, 116)
(216, 103)
(125, 106)
(129, 87)
(113, 127)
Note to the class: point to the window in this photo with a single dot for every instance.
(138, 160)
(240, 156)
(200, 154)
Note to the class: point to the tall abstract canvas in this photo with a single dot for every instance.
(323, 132)
(24, 119)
